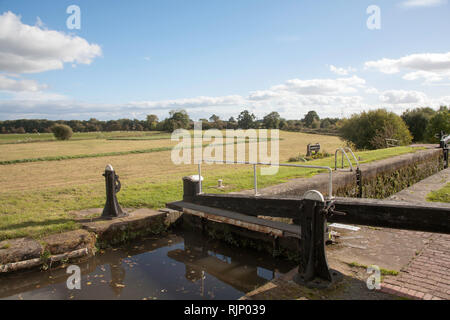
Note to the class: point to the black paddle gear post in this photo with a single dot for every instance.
(313, 270)
(112, 208)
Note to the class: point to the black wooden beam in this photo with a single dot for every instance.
(419, 216)
(252, 205)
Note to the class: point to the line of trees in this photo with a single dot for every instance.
(177, 119)
(365, 130)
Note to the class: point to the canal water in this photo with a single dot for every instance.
(181, 265)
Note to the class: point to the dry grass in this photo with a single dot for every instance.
(154, 167)
(75, 147)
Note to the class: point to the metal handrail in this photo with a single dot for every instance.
(255, 182)
(354, 157)
(343, 153)
(348, 159)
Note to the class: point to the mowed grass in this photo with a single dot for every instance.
(441, 195)
(19, 138)
(36, 198)
(74, 148)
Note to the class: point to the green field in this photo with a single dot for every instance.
(36, 197)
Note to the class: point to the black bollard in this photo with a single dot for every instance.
(112, 208)
(191, 187)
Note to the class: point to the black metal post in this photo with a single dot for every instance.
(359, 182)
(444, 144)
(191, 187)
(313, 270)
(112, 208)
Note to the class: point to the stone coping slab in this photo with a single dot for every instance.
(19, 249)
(68, 241)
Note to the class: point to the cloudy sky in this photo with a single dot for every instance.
(133, 58)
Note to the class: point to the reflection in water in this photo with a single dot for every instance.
(182, 265)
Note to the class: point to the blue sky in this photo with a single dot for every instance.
(132, 58)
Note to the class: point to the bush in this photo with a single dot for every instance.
(62, 132)
(369, 130)
(417, 121)
(439, 122)
(318, 155)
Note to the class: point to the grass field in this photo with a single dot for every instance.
(40, 137)
(36, 197)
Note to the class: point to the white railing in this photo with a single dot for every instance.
(255, 181)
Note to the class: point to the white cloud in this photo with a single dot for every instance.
(39, 23)
(16, 85)
(423, 3)
(341, 71)
(311, 87)
(292, 99)
(371, 90)
(197, 102)
(38, 96)
(402, 97)
(31, 49)
(431, 67)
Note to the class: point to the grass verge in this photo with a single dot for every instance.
(441, 195)
(384, 272)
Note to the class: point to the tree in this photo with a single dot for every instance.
(152, 121)
(367, 129)
(62, 131)
(214, 118)
(310, 117)
(216, 122)
(417, 121)
(315, 124)
(113, 125)
(246, 120)
(179, 119)
(325, 123)
(272, 120)
(231, 123)
(439, 122)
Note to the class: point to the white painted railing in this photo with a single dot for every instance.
(255, 181)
